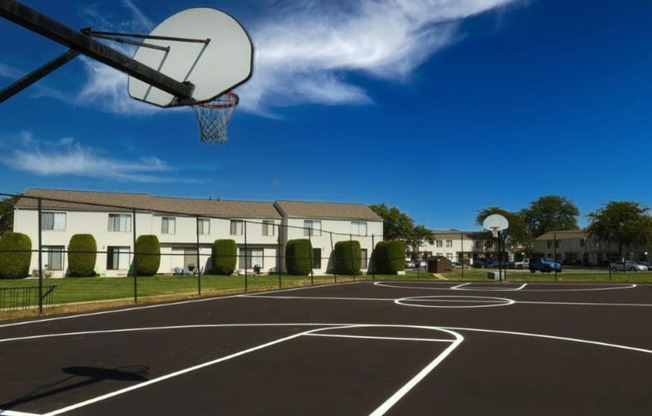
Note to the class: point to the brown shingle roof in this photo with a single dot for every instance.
(112, 201)
(562, 235)
(326, 210)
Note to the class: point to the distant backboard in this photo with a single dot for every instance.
(495, 223)
(205, 47)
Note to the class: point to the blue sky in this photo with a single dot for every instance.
(438, 107)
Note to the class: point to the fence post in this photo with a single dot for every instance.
(334, 259)
(370, 257)
(198, 258)
(134, 257)
(40, 258)
(244, 225)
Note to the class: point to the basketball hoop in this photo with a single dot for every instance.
(213, 117)
(495, 231)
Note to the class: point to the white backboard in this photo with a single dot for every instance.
(214, 67)
(495, 222)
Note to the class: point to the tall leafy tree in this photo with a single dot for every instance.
(516, 235)
(396, 224)
(624, 222)
(420, 235)
(550, 213)
(7, 213)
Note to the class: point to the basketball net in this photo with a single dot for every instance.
(495, 231)
(213, 117)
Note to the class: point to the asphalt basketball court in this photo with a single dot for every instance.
(362, 348)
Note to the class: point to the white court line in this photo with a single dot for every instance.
(532, 302)
(487, 289)
(319, 298)
(490, 288)
(15, 413)
(552, 337)
(390, 402)
(379, 338)
(136, 307)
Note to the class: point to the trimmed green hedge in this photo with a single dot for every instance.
(347, 257)
(82, 255)
(15, 255)
(298, 257)
(148, 255)
(224, 257)
(388, 257)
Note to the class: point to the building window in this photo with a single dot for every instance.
(251, 257)
(549, 244)
(316, 258)
(358, 228)
(363, 258)
(120, 222)
(449, 243)
(237, 227)
(449, 256)
(53, 256)
(117, 258)
(311, 227)
(55, 221)
(268, 228)
(439, 243)
(168, 225)
(478, 244)
(203, 226)
(582, 242)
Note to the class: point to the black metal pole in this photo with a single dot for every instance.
(554, 251)
(352, 259)
(278, 257)
(37, 74)
(462, 259)
(312, 276)
(58, 32)
(134, 259)
(244, 225)
(198, 258)
(40, 257)
(334, 268)
(370, 258)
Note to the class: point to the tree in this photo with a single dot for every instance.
(420, 235)
(516, 235)
(7, 213)
(624, 222)
(550, 213)
(396, 225)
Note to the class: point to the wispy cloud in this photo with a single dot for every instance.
(313, 51)
(67, 157)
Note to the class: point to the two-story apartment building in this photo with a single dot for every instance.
(578, 247)
(463, 247)
(186, 228)
(324, 224)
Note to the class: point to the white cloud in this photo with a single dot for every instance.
(67, 157)
(308, 51)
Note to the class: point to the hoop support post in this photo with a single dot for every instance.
(37, 74)
(58, 32)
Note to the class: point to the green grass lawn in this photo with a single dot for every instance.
(168, 287)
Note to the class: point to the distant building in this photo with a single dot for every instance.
(187, 228)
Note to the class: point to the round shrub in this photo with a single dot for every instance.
(298, 257)
(388, 257)
(15, 255)
(347, 257)
(82, 255)
(224, 257)
(147, 255)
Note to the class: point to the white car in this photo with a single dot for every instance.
(628, 265)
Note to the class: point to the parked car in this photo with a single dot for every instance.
(544, 265)
(523, 264)
(494, 264)
(646, 263)
(410, 265)
(628, 265)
